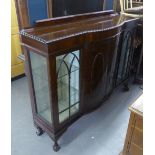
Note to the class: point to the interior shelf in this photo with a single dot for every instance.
(63, 98)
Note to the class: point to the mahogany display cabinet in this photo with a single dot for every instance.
(71, 66)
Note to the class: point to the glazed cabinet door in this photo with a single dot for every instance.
(68, 85)
(125, 54)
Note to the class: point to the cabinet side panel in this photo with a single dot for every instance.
(41, 85)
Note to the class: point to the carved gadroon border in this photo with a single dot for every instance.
(39, 39)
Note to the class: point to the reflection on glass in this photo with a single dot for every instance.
(74, 109)
(68, 84)
(63, 116)
(63, 93)
(41, 88)
(122, 71)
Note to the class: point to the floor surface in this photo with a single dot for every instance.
(101, 132)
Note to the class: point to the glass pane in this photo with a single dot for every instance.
(41, 85)
(124, 57)
(63, 93)
(68, 83)
(63, 116)
(62, 68)
(74, 109)
(74, 78)
(74, 86)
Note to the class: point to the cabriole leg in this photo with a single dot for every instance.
(39, 131)
(56, 146)
(126, 87)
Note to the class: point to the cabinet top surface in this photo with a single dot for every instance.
(137, 106)
(53, 32)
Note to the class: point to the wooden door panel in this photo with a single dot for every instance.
(94, 77)
(98, 77)
(99, 65)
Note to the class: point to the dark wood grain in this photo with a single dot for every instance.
(71, 18)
